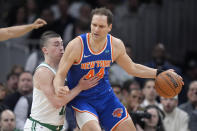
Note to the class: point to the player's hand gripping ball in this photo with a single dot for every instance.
(168, 84)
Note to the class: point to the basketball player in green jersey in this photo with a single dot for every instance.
(48, 110)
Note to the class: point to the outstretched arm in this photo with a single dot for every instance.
(17, 31)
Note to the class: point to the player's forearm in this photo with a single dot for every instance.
(58, 81)
(143, 71)
(17, 31)
(61, 101)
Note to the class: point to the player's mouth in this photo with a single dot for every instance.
(61, 54)
(96, 35)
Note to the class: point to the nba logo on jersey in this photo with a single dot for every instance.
(117, 112)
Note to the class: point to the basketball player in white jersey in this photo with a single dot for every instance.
(48, 110)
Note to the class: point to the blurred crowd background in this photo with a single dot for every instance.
(157, 33)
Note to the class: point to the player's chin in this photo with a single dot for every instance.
(60, 56)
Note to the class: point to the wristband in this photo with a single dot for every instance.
(159, 71)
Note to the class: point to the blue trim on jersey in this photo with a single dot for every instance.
(97, 60)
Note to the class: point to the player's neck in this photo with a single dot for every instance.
(53, 64)
(97, 44)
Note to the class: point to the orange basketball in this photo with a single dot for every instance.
(168, 84)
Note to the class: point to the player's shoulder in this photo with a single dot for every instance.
(74, 44)
(116, 41)
(43, 73)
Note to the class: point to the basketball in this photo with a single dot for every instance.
(168, 84)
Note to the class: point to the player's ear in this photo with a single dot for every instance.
(44, 50)
(110, 27)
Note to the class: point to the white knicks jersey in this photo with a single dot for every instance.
(42, 110)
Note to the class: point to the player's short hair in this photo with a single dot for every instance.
(103, 11)
(47, 35)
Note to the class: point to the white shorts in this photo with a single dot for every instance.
(84, 117)
(34, 126)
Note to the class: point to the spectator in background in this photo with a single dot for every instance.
(17, 15)
(135, 98)
(127, 86)
(32, 10)
(81, 24)
(159, 59)
(65, 19)
(12, 82)
(191, 106)
(25, 86)
(150, 93)
(17, 69)
(7, 121)
(117, 90)
(175, 118)
(3, 92)
(155, 123)
(190, 74)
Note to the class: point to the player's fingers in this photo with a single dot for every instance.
(95, 79)
(172, 70)
(63, 91)
(93, 84)
(92, 78)
(59, 93)
(43, 21)
(182, 82)
(38, 26)
(39, 21)
(180, 79)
